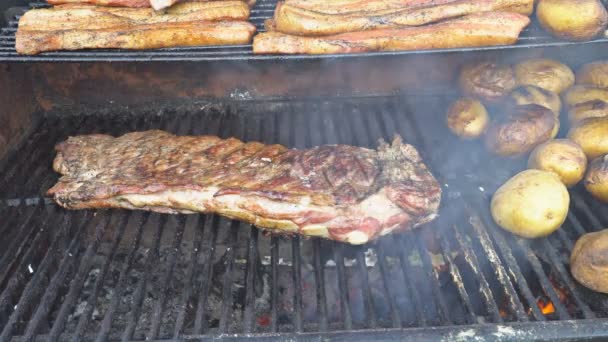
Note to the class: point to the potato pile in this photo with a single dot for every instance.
(524, 117)
(527, 95)
(535, 202)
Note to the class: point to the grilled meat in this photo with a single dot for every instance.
(130, 3)
(294, 20)
(87, 17)
(74, 27)
(339, 192)
(482, 29)
(353, 6)
(118, 3)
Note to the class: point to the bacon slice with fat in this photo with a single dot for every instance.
(482, 29)
(294, 20)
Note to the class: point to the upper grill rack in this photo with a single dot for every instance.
(532, 37)
(134, 275)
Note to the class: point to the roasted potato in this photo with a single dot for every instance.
(544, 73)
(581, 93)
(592, 135)
(585, 110)
(520, 129)
(594, 74)
(589, 261)
(467, 118)
(532, 204)
(536, 95)
(563, 157)
(596, 179)
(487, 81)
(576, 20)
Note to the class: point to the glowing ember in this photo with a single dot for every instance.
(545, 306)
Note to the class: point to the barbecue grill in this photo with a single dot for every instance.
(122, 275)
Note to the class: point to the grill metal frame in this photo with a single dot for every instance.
(511, 273)
(532, 37)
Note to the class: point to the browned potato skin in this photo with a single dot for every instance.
(487, 81)
(562, 157)
(585, 110)
(596, 180)
(576, 20)
(544, 73)
(589, 261)
(520, 130)
(592, 135)
(583, 93)
(535, 95)
(593, 74)
(467, 118)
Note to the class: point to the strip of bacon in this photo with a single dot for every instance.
(156, 4)
(353, 6)
(294, 20)
(151, 36)
(481, 29)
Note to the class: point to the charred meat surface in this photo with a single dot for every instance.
(340, 192)
(481, 29)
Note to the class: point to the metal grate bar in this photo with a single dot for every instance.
(407, 271)
(25, 232)
(542, 277)
(370, 310)
(138, 296)
(274, 299)
(320, 285)
(33, 287)
(297, 280)
(565, 276)
(580, 204)
(120, 285)
(188, 291)
(228, 278)
(446, 250)
(78, 281)
(390, 296)
(433, 277)
(70, 260)
(200, 322)
(38, 243)
(516, 273)
(514, 303)
(167, 278)
(250, 279)
(344, 293)
(473, 263)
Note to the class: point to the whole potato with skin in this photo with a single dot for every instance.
(534, 203)
(592, 135)
(487, 81)
(520, 130)
(589, 261)
(563, 157)
(596, 180)
(467, 118)
(544, 73)
(582, 93)
(576, 20)
(534, 95)
(585, 110)
(594, 74)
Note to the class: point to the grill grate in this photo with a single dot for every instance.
(114, 274)
(532, 37)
